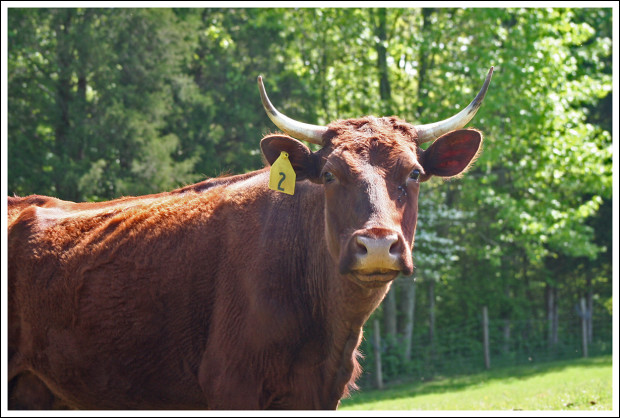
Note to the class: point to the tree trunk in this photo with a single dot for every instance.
(63, 100)
(431, 313)
(550, 323)
(589, 307)
(554, 335)
(80, 114)
(324, 83)
(409, 311)
(385, 90)
(506, 332)
(584, 327)
(506, 327)
(377, 347)
(485, 337)
(389, 312)
(423, 58)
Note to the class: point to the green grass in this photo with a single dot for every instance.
(584, 384)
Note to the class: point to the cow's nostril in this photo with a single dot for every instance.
(394, 247)
(361, 247)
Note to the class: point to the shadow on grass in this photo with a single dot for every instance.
(461, 382)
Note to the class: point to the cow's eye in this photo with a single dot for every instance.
(328, 177)
(415, 175)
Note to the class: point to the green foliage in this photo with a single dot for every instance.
(111, 102)
(92, 86)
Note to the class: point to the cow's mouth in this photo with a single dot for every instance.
(374, 278)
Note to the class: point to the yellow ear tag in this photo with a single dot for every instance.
(281, 175)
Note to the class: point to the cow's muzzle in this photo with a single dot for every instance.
(376, 255)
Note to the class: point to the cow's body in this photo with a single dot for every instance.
(111, 301)
(224, 294)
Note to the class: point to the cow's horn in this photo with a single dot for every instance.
(433, 131)
(298, 130)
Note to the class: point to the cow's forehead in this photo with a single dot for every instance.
(387, 128)
(377, 141)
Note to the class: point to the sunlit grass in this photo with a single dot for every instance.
(567, 385)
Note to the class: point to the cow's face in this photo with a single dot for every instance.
(371, 171)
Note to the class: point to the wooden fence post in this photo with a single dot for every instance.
(485, 337)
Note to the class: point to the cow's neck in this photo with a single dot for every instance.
(348, 319)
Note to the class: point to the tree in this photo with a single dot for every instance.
(94, 97)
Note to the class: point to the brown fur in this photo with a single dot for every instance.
(221, 295)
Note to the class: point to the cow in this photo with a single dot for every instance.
(226, 294)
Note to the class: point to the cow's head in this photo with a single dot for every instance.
(371, 170)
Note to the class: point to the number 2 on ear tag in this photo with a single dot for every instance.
(282, 176)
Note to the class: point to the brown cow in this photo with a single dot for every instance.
(224, 294)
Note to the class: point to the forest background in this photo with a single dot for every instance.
(107, 102)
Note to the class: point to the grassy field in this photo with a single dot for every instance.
(584, 384)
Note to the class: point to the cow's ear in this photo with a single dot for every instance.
(303, 161)
(452, 154)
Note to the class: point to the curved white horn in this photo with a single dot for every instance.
(298, 130)
(432, 131)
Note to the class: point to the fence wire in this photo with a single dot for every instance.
(459, 349)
